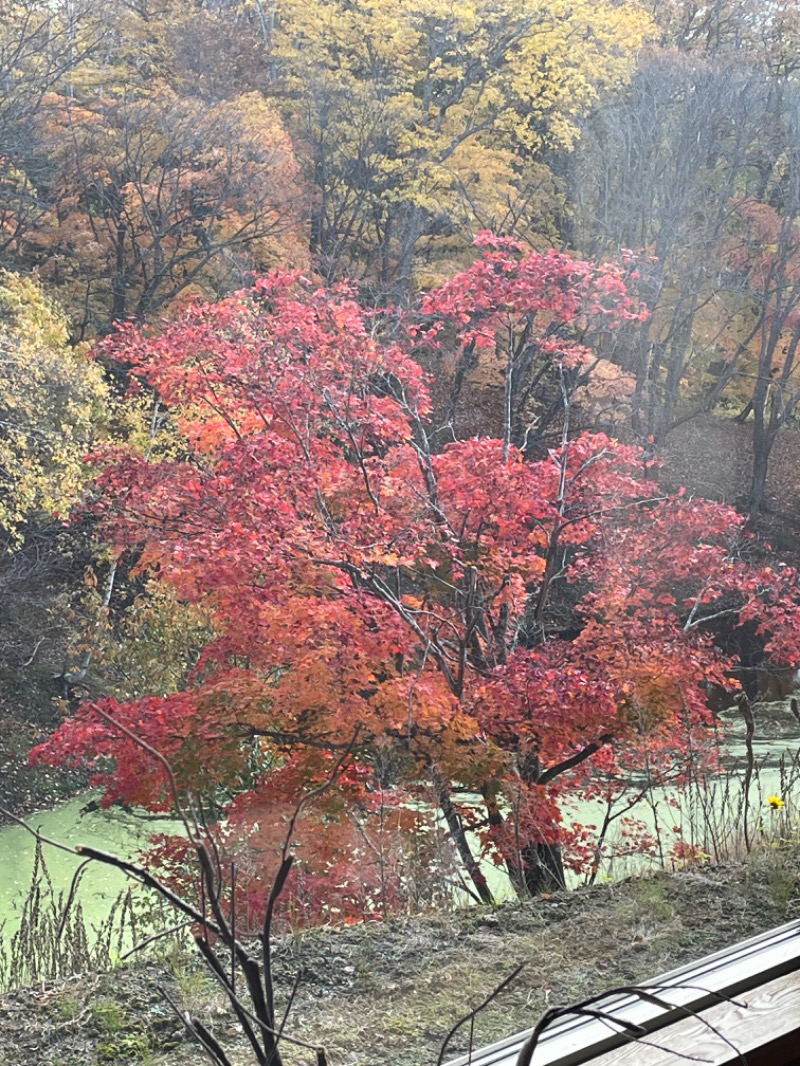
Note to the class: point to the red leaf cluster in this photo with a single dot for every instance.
(492, 634)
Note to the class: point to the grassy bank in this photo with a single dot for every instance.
(386, 994)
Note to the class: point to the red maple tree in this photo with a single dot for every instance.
(480, 633)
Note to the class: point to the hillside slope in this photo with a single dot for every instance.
(386, 994)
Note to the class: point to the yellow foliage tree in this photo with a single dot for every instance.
(425, 119)
(53, 404)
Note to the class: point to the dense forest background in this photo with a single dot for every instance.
(156, 154)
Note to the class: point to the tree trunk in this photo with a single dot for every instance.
(119, 283)
(543, 868)
(538, 866)
(409, 227)
(763, 440)
(459, 836)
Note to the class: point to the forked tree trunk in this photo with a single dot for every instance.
(542, 868)
(537, 866)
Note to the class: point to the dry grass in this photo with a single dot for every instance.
(386, 994)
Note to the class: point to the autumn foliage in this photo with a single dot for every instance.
(480, 633)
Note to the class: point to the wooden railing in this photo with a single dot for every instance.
(744, 1000)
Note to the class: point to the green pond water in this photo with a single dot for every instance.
(114, 830)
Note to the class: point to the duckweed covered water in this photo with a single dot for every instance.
(776, 749)
(113, 830)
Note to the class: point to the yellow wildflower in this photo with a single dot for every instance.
(775, 802)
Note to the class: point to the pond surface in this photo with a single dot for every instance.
(716, 819)
(776, 747)
(777, 731)
(112, 830)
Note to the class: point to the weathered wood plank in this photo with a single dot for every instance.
(763, 1024)
(750, 964)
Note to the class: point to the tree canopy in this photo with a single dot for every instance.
(53, 403)
(467, 630)
(371, 291)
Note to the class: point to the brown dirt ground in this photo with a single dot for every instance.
(386, 994)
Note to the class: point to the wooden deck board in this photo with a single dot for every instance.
(763, 1024)
(749, 972)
